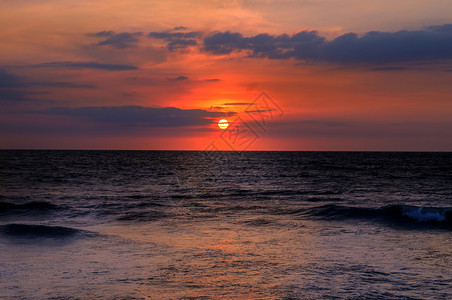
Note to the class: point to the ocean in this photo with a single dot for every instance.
(225, 225)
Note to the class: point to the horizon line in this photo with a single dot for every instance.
(188, 150)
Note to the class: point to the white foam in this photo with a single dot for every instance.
(422, 214)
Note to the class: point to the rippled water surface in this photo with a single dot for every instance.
(225, 225)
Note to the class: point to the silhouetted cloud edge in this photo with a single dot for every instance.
(374, 47)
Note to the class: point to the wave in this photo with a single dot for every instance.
(395, 214)
(34, 206)
(259, 222)
(40, 231)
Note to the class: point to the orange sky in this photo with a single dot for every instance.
(160, 74)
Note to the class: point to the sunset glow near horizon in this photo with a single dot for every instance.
(340, 75)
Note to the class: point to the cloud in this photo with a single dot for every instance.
(375, 47)
(86, 65)
(60, 84)
(178, 40)
(9, 80)
(13, 95)
(104, 34)
(130, 116)
(12, 87)
(17, 88)
(120, 40)
(225, 42)
(175, 35)
(180, 44)
(180, 28)
(178, 78)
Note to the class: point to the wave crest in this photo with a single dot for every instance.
(422, 214)
(39, 231)
(394, 214)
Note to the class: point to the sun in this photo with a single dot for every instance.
(223, 124)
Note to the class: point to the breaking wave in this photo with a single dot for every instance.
(395, 214)
(41, 231)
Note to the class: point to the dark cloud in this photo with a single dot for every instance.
(142, 116)
(180, 44)
(177, 40)
(212, 79)
(8, 80)
(121, 40)
(441, 28)
(17, 88)
(175, 35)
(225, 42)
(180, 28)
(104, 34)
(86, 65)
(13, 95)
(60, 84)
(432, 43)
(178, 78)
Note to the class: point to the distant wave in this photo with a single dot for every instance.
(396, 214)
(34, 206)
(259, 222)
(40, 231)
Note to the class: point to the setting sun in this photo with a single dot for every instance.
(223, 124)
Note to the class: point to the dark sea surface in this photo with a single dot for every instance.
(225, 225)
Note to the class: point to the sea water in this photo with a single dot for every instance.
(225, 225)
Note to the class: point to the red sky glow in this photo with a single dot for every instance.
(159, 75)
